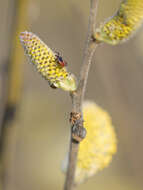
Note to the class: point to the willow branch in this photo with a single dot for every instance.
(78, 131)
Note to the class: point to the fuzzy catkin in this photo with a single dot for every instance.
(46, 62)
(98, 147)
(123, 24)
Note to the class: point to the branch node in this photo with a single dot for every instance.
(78, 133)
(94, 40)
(74, 117)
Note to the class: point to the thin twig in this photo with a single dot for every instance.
(77, 99)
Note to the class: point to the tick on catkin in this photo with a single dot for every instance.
(47, 62)
(99, 145)
(123, 24)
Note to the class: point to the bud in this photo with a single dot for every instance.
(123, 24)
(47, 62)
(99, 145)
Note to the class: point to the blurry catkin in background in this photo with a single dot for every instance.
(13, 79)
(12, 83)
(17, 57)
(123, 24)
(97, 149)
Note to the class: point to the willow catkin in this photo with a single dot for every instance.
(123, 24)
(47, 62)
(97, 149)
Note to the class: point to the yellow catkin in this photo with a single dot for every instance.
(123, 24)
(47, 62)
(97, 149)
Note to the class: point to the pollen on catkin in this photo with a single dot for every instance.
(99, 145)
(123, 24)
(97, 149)
(46, 62)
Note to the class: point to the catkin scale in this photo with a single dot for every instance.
(123, 24)
(46, 62)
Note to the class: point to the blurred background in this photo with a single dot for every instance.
(37, 139)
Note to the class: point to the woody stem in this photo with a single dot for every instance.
(78, 131)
